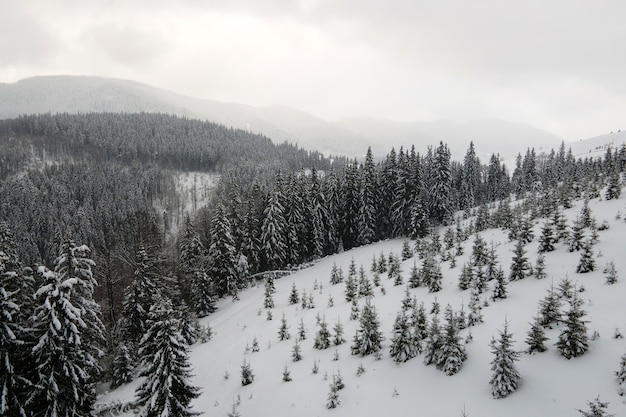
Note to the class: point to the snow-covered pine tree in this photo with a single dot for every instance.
(368, 338)
(451, 354)
(365, 287)
(475, 315)
(586, 263)
(123, 366)
(559, 223)
(367, 215)
(268, 301)
(614, 186)
(621, 376)
(395, 271)
(546, 240)
(492, 266)
(566, 289)
(577, 236)
(505, 377)
(419, 326)
(597, 408)
(338, 339)
(611, 273)
(294, 297)
(573, 340)
(466, 276)
(402, 342)
(166, 389)
(322, 337)
(352, 287)
(519, 264)
(63, 385)
(439, 184)
(296, 352)
(431, 273)
(407, 252)
(434, 341)
(479, 251)
(283, 331)
(247, 376)
(536, 337)
(525, 232)
(222, 254)
(540, 267)
(301, 331)
(500, 286)
(354, 310)
(336, 275)
(550, 309)
(273, 229)
(415, 279)
(333, 400)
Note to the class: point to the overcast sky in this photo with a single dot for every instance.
(558, 64)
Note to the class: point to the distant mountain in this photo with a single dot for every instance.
(351, 137)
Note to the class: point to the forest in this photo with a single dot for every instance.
(82, 244)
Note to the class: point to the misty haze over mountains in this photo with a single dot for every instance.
(350, 137)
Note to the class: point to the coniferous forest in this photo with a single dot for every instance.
(95, 289)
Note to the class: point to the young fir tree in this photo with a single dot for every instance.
(123, 367)
(519, 265)
(500, 286)
(479, 251)
(505, 377)
(573, 340)
(451, 354)
(382, 263)
(540, 267)
(296, 352)
(354, 310)
(247, 376)
(63, 385)
(466, 277)
(402, 342)
(566, 289)
(536, 337)
(434, 341)
(550, 309)
(419, 326)
(395, 271)
(611, 273)
(294, 298)
(222, 254)
(322, 337)
(286, 374)
(197, 287)
(475, 315)
(352, 289)
(577, 236)
(365, 287)
(166, 389)
(546, 240)
(301, 331)
(431, 273)
(368, 338)
(621, 375)
(559, 222)
(407, 252)
(587, 262)
(338, 338)
(414, 277)
(597, 408)
(336, 275)
(268, 301)
(333, 396)
(283, 331)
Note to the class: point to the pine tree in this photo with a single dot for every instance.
(247, 376)
(365, 287)
(586, 263)
(431, 273)
(500, 287)
(301, 331)
(475, 305)
(546, 240)
(439, 184)
(466, 277)
(519, 265)
(434, 341)
(550, 309)
(415, 279)
(333, 397)
(621, 375)
(596, 409)
(577, 236)
(395, 271)
(222, 254)
(367, 215)
(354, 310)
(338, 339)
(286, 374)
(407, 252)
(268, 301)
(296, 352)
(505, 378)
(63, 385)
(368, 338)
(536, 337)
(614, 186)
(336, 275)
(273, 230)
(566, 288)
(283, 332)
(382, 263)
(195, 283)
(451, 354)
(402, 343)
(419, 326)
(611, 273)
(351, 288)
(294, 298)
(573, 340)
(123, 367)
(540, 267)
(322, 338)
(166, 389)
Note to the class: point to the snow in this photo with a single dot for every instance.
(549, 385)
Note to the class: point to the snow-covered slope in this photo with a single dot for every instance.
(551, 385)
(597, 146)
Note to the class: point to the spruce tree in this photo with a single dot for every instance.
(407, 252)
(294, 298)
(434, 341)
(247, 376)
(611, 273)
(296, 352)
(394, 272)
(166, 389)
(283, 331)
(123, 366)
(451, 353)
(586, 263)
(519, 266)
(197, 287)
(336, 275)
(500, 287)
(338, 338)
(573, 340)
(550, 309)
(577, 236)
(466, 277)
(536, 337)
(419, 326)
(352, 289)
(596, 409)
(415, 278)
(505, 377)
(621, 375)
(273, 230)
(475, 305)
(301, 331)
(546, 240)
(322, 337)
(402, 342)
(368, 338)
(354, 310)
(365, 287)
(540, 267)
(222, 255)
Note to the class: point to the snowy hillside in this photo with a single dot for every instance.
(550, 384)
(597, 146)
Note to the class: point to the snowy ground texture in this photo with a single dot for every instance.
(551, 385)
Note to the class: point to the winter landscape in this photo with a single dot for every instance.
(351, 221)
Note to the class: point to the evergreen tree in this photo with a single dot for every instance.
(536, 337)
(611, 273)
(273, 230)
(247, 376)
(123, 367)
(577, 236)
(395, 271)
(414, 278)
(294, 298)
(368, 338)
(587, 263)
(166, 389)
(546, 241)
(439, 184)
(333, 396)
(301, 331)
(222, 255)
(365, 287)
(596, 409)
(407, 252)
(336, 275)
(354, 310)
(573, 340)
(351, 288)
(63, 385)
(500, 287)
(338, 339)
(540, 267)
(621, 375)
(466, 277)
(431, 273)
(614, 186)
(283, 332)
(402, 342)
(451, 353)
(419, 326)
(433, 341)
(367, 208)
(505, 378)
(519, 266)
(196, 286)
(550, 309)
(269, 290)
(475, 305)
(296, 352)
(322, 338)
